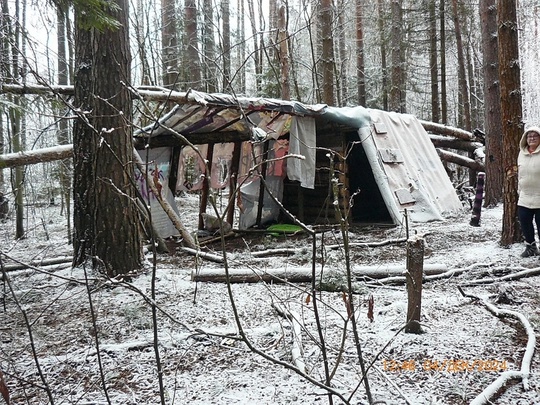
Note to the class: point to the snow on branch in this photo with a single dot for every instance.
(524, 372)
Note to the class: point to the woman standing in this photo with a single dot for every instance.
(529, 188)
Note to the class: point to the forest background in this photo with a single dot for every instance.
(470, 65)
(460, 66)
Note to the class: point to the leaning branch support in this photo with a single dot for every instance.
(188, 239)
(524, 372)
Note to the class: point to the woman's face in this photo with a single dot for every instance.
(533, 139)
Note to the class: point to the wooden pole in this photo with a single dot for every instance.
(206, 184)
(478, 198)
(415, 264)
(235, 168)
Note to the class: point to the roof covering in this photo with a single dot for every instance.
(222, 117)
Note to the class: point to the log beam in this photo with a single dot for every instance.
(36, 156)
(447, 130)
(460, 160)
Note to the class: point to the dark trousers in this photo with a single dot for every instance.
(526, 217)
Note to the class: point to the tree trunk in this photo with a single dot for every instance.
(384, 66)
(465, 107)
(256, 48)
(397, 100)
(146, 75)
(283, 53)
(16, 119)
(327, 57)
(191, 60)
(341, 66)
(63, 129)
(360, 66)
(511, 114)
(492, 105)
(415, 264)
(433, 66)
(5, 62)
(241, 48)
(169, 45)
(442, 41)
(107, 223)
(226, 38)
(209, 48)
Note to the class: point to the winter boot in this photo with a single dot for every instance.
(530, 250)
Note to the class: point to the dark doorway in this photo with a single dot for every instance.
(368, 204)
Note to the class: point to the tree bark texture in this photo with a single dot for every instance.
(107, 223)
(511, 114)
(382, 39)
(442, 41)
(492, 102)
(397, 100)
(465, 107)
(415, 264)
(360, 66)
(433, 66)
(209, 48)
(226, 51)
(169, 44)
(283, 46)
(327, 57)
(192, 62)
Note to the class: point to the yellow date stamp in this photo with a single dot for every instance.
(446, 365)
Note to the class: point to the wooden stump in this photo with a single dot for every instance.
(415, 264)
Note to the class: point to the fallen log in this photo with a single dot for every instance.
(441, 141)
(31, 157)
(303, 274)
(204, 255)
(38, 263)
(398, 280)
(509, 277)
(460, 160)
(447, 130)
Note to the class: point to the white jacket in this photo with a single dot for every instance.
(528, 173)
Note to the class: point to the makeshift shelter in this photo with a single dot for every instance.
(277, 150)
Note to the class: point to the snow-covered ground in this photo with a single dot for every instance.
(202, 360)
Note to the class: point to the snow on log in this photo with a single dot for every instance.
(204, 255)
(38, 263)
(441, 129)
(525, 370)
(441, 141)
(509, 277)
(302, 274)
(460, 160)
(36, 156)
